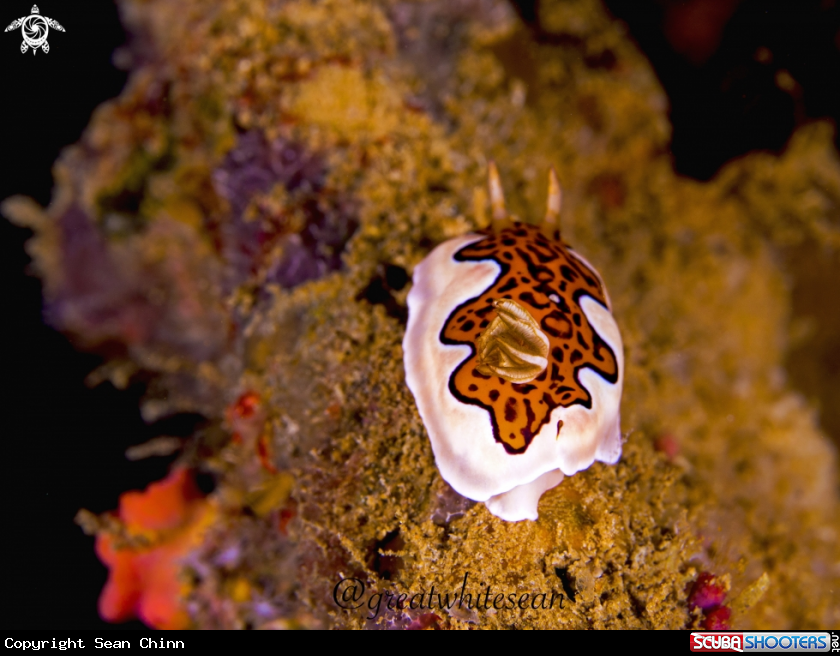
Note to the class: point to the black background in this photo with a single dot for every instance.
(63, 444)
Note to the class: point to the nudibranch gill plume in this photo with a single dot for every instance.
(514, 359)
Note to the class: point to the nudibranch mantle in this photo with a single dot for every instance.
(505, 440)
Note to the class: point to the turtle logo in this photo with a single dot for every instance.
(34, 29)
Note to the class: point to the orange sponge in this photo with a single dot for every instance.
(144, 582)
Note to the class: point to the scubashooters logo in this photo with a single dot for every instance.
(790, 641)
(34, 29)
(717, 642)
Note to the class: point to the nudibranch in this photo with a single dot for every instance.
(514, 359)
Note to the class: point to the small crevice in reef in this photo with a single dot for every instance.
(383, 561)
(387, 279)
(567, 582)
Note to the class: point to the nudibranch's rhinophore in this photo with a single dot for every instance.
(514, 360)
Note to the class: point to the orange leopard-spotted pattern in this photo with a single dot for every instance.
(533, 270)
